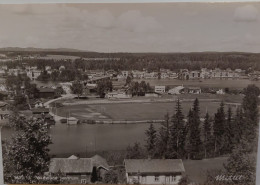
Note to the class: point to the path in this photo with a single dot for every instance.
(47, 105)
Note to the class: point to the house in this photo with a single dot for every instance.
(72, 121)
(33, 74)
(220, 91)
(192, 90)
(194, 75)
(159, 89)
(176, 90)
(153, 171)
(152, 75)
(46, 92)
(38, 104)
(79, 170)
(183, 74)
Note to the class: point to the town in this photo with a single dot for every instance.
(69, 93)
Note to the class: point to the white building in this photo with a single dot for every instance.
(153, 171)
(159, 89)
(33, 74)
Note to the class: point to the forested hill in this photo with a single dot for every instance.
(154, 61)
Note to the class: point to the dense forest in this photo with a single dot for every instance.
(149, 61)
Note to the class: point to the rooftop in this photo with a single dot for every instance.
(74, 164)
(153, 165)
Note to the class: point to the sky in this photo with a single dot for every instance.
(141, 27)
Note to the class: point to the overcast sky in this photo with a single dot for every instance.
(158, 27)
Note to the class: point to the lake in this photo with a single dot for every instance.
(98, 137)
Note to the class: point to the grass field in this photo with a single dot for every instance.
(132, 111)
(196, 170)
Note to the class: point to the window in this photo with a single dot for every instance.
(167, 179)
(173, 178)
(83, 181)
(156, 178)
(143, 179)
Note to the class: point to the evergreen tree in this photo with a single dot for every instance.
(195, 140)
(162, 144)
(177, 132)
(151, 140)
(219, 129)
(238, 126)
(207, 134)
(188, 134)
(250, 109)
(135, 152)
(229, 132)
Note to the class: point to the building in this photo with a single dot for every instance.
(159, 89)
(79, 170)
(154, 171)
(192, 90)
(46, 92)
(194, 75)
(220, 91)
(72, 121)
(33, 74)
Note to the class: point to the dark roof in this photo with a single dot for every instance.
(74, 164)
(99, 161)
(153, 165)
(65, 165)
(45, 90)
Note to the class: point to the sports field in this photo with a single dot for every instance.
(132, 111)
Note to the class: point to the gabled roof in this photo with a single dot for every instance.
(99, 161)
(65, 165)
(153, 165)
(74, 164)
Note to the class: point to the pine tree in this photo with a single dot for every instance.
(151, 140)
(188, 134)
(195, 140)
(229, 132)
(207, 134)
(238, 126)
(250, 109)
(177, 132)
(219, 129)
(162, 144)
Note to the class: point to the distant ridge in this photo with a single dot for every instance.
(41, 49)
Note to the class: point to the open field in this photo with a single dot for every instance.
(196, 170)
(132, 111)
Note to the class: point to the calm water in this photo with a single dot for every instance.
(78, 139)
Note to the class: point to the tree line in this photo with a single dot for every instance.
(227, 133)
(150, 61)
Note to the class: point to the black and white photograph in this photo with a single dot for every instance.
(129, 93)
